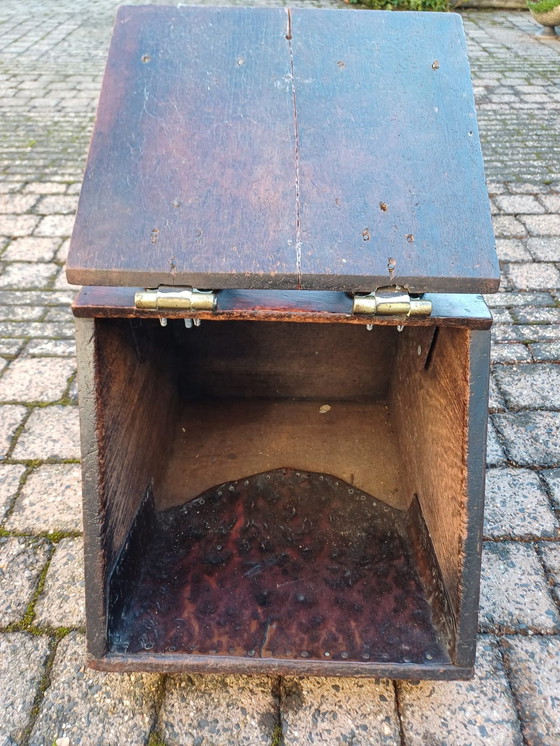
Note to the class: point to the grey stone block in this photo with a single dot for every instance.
(514, 204)
(544, 249)
(506, 226)
(36, 379)
(214, 710)
(21, 561)
(33, 249)
(514, 594)
(529, 386)
(516, 505)
(51, 432)
(27, 275)
(10, 475)
(495, 399)
(50, 500)
(552, 479)
(542, 276)
(495, 455)
(534, 670)
(462, 713)
(550, 554)
(338, 711)
(531, 438)
(11, 416)
(530, 315)
(512, 299)
(542, 225)
(544, 352)
(93, 708)
(62, 602)
(512, 250)
(22, 660)
(510, 353)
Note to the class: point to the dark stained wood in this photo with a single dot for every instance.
(136, 404)
(392, 185)
(190, 176)
(283, 565)
(228, 153)
(168, 416)
(289, 305)
(439, 412)
(479, 370)
(223, 440)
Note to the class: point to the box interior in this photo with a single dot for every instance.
(282, 490)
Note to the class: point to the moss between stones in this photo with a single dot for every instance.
(543, 6)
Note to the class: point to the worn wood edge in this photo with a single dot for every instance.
(448, 309)
(96, 631)
(469, 583)
(173, 663)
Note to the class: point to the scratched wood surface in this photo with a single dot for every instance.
(268, 148)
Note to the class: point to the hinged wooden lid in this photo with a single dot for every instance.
(274, 148)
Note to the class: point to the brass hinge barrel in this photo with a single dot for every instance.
(175, 299)
(390, 302)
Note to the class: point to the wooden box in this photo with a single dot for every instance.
(283, 473)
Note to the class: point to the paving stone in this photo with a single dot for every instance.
(512, 299)
(534, 333)
(31, 379)
(51, 348)
(531, 438)
(517, 505)
(32, 249)
(534, 276)
(10, 347)
(505, 333)
(20, 313)
(462, 713)
(16, 203)
(50, 500)
(550, 554)
(514, 593)
(21, 562)
(534, 671)
(495, 455)
(14, 226)
(11, 416)
(495, 399)
(546, 352)
(512, 250)
(514, 204)
(501, 316)
(525, 188)
(529, 386)
(10, 475)
(39, 187)
(506, 226)
(27, 275)
(67, 205)
(552, 480)
(91, 708)
(22, 660)
(216, 710)
(542, 225)
(551, 202)
(50, 433)
(361, 712)
(507, 353)
(62, 602)
(544, 249)
(54, 225)
(530, 315)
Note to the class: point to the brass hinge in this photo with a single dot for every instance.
(390, 301)
(175, 299)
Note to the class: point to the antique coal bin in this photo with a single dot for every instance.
(283, 362)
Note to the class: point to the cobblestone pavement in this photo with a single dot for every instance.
(51, 59)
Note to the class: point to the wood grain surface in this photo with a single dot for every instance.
(274, 148)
